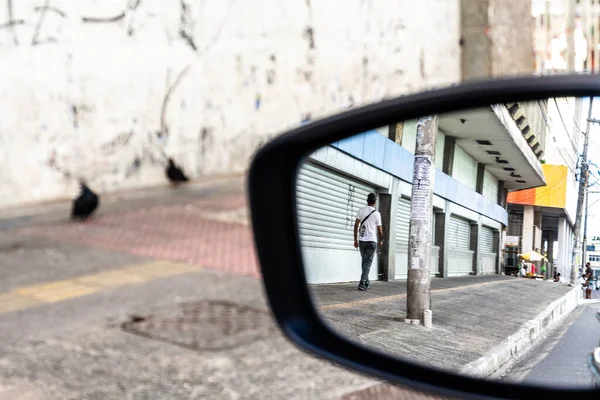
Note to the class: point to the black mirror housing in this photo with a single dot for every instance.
(272, 199)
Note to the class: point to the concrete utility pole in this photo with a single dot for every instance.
(418, 300)
(585, 222)
(582, 188)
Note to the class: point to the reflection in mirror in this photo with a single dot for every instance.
(449, 240)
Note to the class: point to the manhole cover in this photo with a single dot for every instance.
(205, 325)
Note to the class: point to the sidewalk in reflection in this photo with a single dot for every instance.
(471, 315)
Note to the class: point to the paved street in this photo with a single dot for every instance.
(157, 297)
(562, 359)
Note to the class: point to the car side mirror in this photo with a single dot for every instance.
(428, 300)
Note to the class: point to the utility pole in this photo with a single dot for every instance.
(585, 223)
(582, 189)
(418, 300)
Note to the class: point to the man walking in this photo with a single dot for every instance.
(367, 229)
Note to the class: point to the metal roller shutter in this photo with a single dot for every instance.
(402, 239)
(459, 233)
(486, 238)
(327, 206)
(402, 222)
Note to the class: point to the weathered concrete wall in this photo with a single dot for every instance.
(497, 38)
(511, 34)
(80, 97)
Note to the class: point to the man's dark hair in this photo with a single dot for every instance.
(371, 198)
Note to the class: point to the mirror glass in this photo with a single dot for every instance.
(449, 240)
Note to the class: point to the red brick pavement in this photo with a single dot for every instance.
(173, 233)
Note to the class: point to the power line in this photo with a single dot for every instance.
(565, 125)
(593, 203)
(553, 137)
(574, 120)
(539, 191)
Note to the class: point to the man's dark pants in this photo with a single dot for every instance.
(367, 251)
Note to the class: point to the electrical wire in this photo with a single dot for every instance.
(565, 125)
(545, 118)
(554, 138)
(593, 204)
(540, 191)
(574, 120)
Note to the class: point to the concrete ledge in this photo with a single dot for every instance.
(517, 345)
(120, 195)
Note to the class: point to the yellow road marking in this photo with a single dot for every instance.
(109, 279)
(56, 291)
(51, 292)
(13, 302)
(375, 300)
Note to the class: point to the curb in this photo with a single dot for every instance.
(518, 344)
(120, 195)
(58, 211)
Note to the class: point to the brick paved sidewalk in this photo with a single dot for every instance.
(213, 233)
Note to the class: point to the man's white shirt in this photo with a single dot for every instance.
(370, 225)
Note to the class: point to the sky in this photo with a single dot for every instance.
(594, 157)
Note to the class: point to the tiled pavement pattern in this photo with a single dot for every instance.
(193, 234)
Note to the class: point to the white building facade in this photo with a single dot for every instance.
(478, 152)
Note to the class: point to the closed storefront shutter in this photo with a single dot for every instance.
(460, 257)
(459, 234)
(402, 239)
(402, 222)
(327, 202)
(486, 238)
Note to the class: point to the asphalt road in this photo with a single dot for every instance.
(159, 298)
(562, 359)
(156, 297)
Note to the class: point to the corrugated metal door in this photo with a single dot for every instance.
(402, 222)
(402, 239)
(460, 258)
(327, 204)
(487, 257)
(459, 233)
(486, 238)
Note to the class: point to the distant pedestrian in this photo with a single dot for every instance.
(587, 275)
(367, 229)
(523, 271)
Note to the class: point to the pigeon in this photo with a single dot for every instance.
(85, 204)
(174, 173)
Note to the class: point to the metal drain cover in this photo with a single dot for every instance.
(205, 325)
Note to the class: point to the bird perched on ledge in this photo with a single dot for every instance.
(174, 173)
(85, 204)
